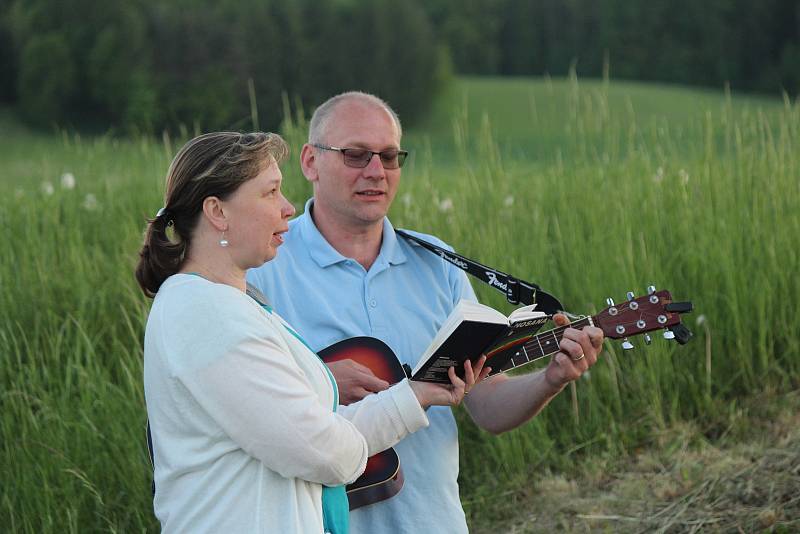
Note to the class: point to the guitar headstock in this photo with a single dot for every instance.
(639, 315)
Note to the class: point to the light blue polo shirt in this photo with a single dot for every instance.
(402, 300)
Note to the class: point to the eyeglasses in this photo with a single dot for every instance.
(360, 157)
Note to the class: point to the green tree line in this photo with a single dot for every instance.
(145, 65)
(752, 45)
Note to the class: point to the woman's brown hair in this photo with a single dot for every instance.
(213, 164)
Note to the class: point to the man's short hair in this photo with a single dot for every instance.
(317, 128)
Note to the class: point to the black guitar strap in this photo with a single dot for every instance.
(152, 458)
(516, 291)
(254, 293)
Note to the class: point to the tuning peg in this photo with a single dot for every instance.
(680, 307)
(626, 345)
(668, 334)
(609, 301)
(651, 290)
(682, 334)
(633, 304)
(647, 339)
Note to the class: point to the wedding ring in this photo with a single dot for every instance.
(582, 356)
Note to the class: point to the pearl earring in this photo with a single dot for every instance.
(222, 241)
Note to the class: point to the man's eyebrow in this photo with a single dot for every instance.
(365, 147)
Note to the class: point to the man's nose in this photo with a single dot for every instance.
(374, 168)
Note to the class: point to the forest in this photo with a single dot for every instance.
(146, 66)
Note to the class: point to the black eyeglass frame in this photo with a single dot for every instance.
(400, 156)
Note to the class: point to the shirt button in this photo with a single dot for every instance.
(373, 303)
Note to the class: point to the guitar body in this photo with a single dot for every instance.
(383, 477)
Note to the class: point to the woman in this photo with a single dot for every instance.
(246, 434)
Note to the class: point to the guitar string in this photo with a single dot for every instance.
(557, 334)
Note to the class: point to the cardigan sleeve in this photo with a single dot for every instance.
(386, 417)
(234, 367)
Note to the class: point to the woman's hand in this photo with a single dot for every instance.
(429, 394)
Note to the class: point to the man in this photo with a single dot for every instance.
(343, 272)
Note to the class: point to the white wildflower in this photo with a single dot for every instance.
(508, 201)
(684, 176)
(701, 319)
(47, 188)
(659, 175)
(67, 181)
(90, 202)
(406, 199)
(446, 205)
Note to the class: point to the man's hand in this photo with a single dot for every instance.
(355, 381)
(579, 351)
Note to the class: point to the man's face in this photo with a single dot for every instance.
(353, 197)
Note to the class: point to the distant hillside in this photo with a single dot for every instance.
(535, 116)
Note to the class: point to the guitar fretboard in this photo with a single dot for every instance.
(542, 344)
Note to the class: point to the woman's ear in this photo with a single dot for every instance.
(214, 212)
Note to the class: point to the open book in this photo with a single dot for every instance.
(473, 329)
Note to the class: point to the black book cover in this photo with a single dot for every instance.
(503, 346)
(468, 340)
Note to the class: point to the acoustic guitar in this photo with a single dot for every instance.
(383, 477)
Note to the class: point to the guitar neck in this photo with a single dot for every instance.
(543, 344)
(654, 311)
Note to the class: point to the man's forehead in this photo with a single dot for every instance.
(355, 120)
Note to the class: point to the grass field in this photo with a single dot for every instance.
(588, 188)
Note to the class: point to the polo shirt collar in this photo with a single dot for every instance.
(325, 255)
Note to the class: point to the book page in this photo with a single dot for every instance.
(524, 313)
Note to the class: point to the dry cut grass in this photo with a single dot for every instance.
(682, 483)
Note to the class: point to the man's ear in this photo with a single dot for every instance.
(215, 214)
(308, 163)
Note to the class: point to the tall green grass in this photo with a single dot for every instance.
(590, 189)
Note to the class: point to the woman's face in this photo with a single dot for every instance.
(258, 214)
